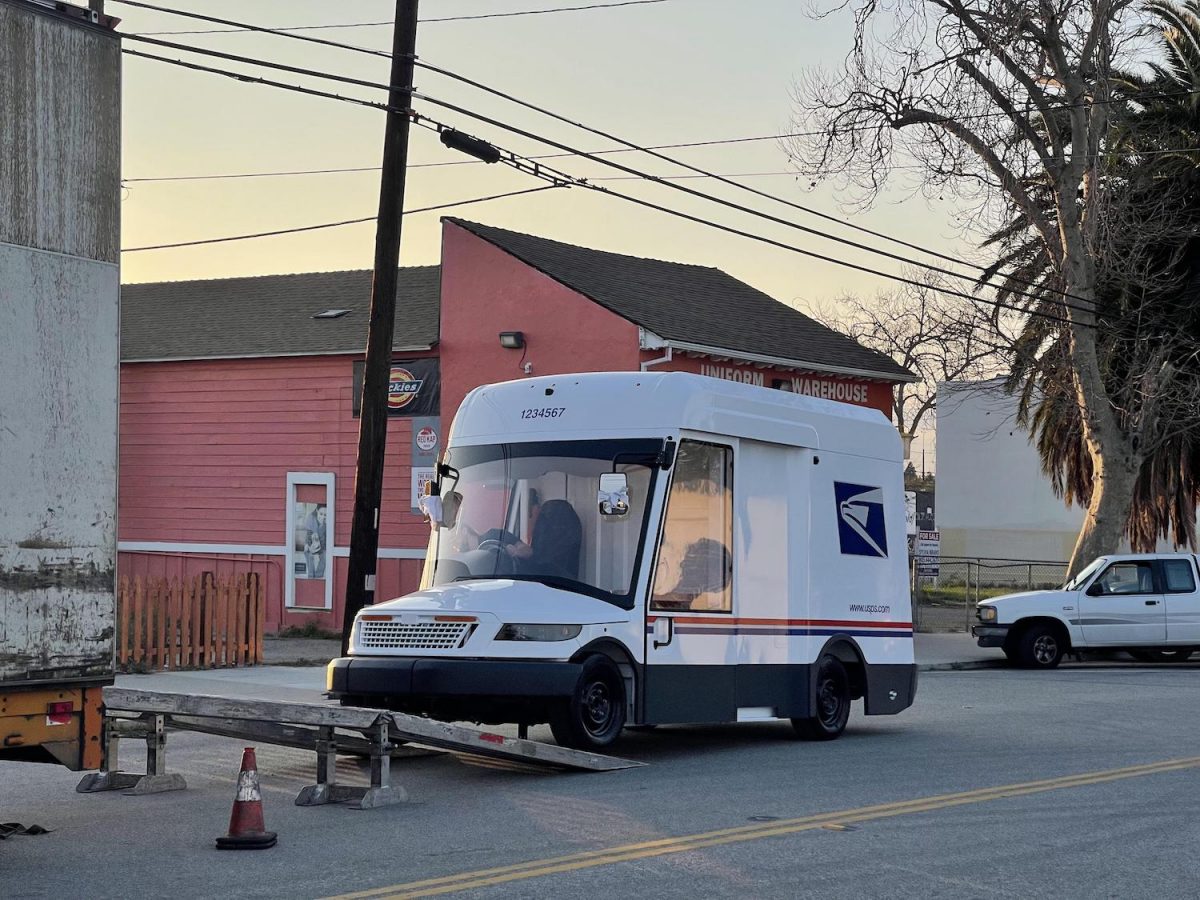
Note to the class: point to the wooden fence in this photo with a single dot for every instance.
(196, 623)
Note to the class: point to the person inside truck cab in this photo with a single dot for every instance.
(701, 574)
(554, 542)
(694, 569)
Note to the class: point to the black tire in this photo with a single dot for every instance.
(594, 716)
(1174, 655)
(1041, 647)
(1012, 655)
(832, 703)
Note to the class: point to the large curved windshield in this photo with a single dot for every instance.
(530, 511)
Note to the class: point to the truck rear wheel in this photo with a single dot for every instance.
(594, 716)
(832, 703)
(1040, 646)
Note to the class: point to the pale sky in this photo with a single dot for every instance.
(680, 70)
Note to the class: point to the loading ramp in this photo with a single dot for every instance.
(325, 728)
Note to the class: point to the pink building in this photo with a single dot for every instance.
(239, 396)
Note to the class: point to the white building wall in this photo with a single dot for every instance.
(992, 498)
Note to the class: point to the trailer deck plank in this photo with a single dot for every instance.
(401, 727)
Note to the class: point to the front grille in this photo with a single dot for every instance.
(422, 636)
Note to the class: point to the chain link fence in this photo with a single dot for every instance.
(946, 602)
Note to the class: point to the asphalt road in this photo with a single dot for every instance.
(997, 783)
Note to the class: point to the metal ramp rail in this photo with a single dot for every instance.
(324, 728)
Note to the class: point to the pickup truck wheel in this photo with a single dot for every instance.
(1040, 647)
(833, 703)
(593, 717)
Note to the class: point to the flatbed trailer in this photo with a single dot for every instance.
(326, 728)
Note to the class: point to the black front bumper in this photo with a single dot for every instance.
(483, 690)
(990, 635)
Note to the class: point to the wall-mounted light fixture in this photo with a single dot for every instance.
(512, 340)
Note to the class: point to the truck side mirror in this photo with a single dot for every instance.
(450, 505)
(613, 495)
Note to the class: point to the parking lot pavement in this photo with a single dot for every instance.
(997, 783)
(302, 684)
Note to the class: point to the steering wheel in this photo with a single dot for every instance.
(490, 544)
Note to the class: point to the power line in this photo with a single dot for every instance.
(257, 79)
(632, 147)
(540, 170)
(501, 15)
(472, 162)
(407, 212)
(262, 29)
(722, 202)
(858, 245)
(540, 12)
(281, 174)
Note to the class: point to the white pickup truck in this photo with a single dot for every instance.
(1145, 604)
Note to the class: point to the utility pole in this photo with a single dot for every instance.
(373, 419)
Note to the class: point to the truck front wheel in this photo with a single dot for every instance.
(1041, 646)
(832, 703)
(593, 717)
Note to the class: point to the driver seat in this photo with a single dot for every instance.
(556, 541)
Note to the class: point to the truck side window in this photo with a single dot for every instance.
(1126, 578)
(1179, 576)
(695, 564)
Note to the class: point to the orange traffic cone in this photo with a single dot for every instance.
(246, 829)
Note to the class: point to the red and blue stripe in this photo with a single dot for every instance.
(730, 625)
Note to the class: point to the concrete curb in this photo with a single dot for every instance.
(296, 663)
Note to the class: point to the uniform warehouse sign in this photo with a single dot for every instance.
(825, 388)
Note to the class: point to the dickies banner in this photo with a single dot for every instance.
(414, 387)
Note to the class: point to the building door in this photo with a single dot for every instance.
(690, 632)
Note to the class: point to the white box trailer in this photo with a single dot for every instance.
(618, 549)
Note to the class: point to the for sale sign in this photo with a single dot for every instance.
(928, 552)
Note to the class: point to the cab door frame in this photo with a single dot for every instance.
(690, 670)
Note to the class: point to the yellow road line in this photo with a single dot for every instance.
(661, 847)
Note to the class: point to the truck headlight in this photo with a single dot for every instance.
(986, 613)
(538, 632)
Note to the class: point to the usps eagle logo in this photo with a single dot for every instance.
(862, 529)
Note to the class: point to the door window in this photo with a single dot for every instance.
(1125, 578)
(309, 531)
(695, 562)
(1179, 577)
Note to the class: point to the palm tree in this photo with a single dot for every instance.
(1150, 314)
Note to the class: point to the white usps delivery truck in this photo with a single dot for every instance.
(621, 549)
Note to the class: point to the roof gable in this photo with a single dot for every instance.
(691, 304)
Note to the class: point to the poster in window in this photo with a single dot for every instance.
(310, 548)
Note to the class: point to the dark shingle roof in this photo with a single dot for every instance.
(271, 315)
(691, 304)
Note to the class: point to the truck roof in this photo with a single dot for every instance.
(1135, 557)
(645, 404)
